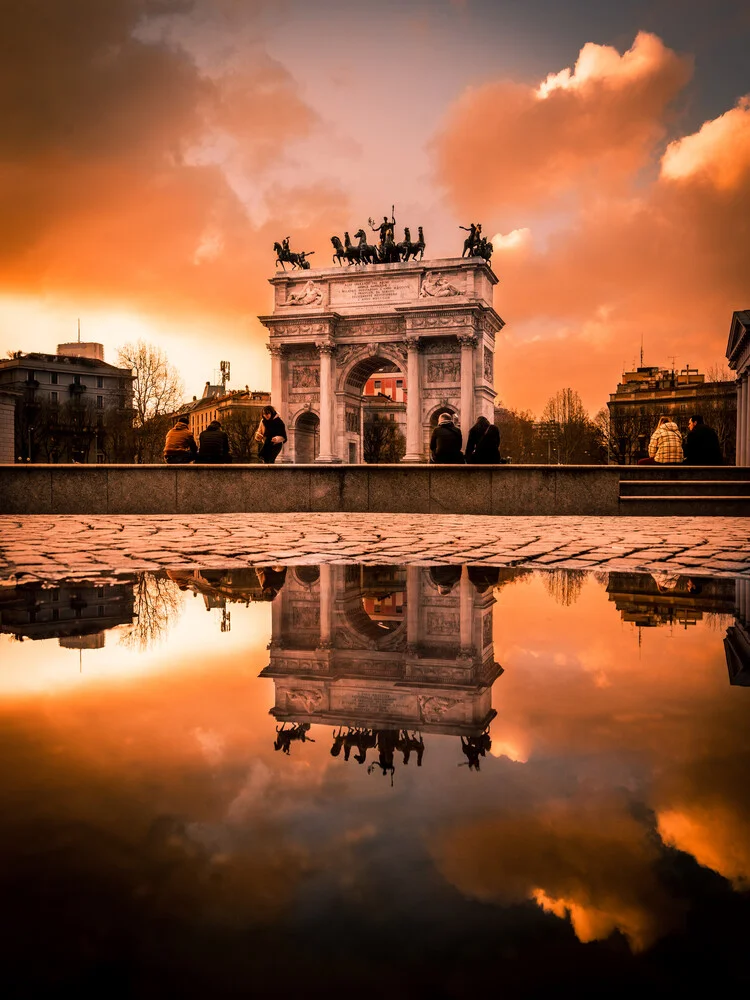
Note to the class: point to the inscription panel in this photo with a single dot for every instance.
(376, 291)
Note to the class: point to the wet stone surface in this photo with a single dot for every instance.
(53, 548)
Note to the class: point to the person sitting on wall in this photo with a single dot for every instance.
(180, 447)
(271, 435)
(665, 446)
(483, 445)
(214, 445)
(445, 443)
(702, 444)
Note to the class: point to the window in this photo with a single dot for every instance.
(378, 383)
(100, 402)
(391, 416)
(99, 382)
(53, 378)
(54, 397)
(399, 383)
(76, 380)
(55, 615)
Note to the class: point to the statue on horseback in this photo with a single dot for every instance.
(476, 245)
(368, 254)
(297, 260)
(349, 253)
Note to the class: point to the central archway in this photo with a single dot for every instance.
(372, 425)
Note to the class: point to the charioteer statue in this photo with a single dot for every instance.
(385, 226)
(388, 251)
(476, 245)
(297, 260)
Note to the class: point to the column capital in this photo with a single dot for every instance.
(414, 343)
(467, 340)
(326, 347)
(276, 350)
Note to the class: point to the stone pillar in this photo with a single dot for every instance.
(413, 602)
(468, 343)
(7, 427)
(278, 378)
(466, 612)
(743, 420)
(327, 350)
(326, 607)
(414, 451)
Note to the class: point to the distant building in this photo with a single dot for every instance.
(392, 384)
(648, 393)
(77, 615)
(68, 407)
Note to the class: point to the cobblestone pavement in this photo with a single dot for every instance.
(80, 547)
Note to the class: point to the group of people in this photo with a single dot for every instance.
(701, 445)
(212, 447)
(482, 445)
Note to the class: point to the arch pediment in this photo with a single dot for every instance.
(356, 363)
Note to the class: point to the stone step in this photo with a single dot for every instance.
(678, 506)
(684, 488)
(657, 473)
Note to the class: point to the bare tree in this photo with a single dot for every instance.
(382, 441)
(156, 606)
(240, 426)
(576, 437)
(719, 372)
(157, 388)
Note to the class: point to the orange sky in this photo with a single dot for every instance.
(152, 152)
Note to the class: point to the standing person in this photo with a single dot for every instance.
(702, 444)
(180, 447)
(665, 446)
(271, 435)
(214, 445)
(445, 443)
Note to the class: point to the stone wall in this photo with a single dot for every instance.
(500, 490)
(7, 427)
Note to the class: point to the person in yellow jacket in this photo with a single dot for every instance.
(180, 447)
(665, 446)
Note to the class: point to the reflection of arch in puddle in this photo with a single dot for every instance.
(308, 576)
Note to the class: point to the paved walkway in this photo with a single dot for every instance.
(80, 547)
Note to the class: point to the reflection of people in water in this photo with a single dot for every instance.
(271, 580)
(475, 747)
(284, 736)
(408, 743)
(445, 578)
(484, 577)
(387, 742)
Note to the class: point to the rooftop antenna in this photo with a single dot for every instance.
(673, 359)
(79, 329)
(641, 350)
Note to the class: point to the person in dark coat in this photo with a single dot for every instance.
(486, 446)
(475, 435)
(702, 444)
(272, 435)
(214, 445)
(445, 443)
(180, 447)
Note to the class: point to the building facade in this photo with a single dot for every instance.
(334, 330)
(738, 356)
(69, 408)
(648, 393)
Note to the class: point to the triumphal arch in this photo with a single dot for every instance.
(331, 329)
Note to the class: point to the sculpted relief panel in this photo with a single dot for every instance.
(305, 377)
(488, 364)
(443, 371)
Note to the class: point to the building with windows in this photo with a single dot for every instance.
(648, 393)
(68, 407)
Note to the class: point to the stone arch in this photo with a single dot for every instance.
(363, 363)
(306, 430)
(432, 414)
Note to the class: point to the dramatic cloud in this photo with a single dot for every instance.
(614, 235)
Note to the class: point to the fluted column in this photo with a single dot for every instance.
(326, 607)
(413, 602)
(468, 343)
(743, 421)
(466, 612)
(327, 350)
(414, 451)
(278, 378)
(738, 435)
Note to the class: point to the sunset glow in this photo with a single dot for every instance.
(152, 152)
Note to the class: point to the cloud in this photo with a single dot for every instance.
(633, 236)
(523, 145)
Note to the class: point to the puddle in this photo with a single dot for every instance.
(384, 779)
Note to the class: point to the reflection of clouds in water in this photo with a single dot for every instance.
(587, 858)
(212, 744)
(715, 837)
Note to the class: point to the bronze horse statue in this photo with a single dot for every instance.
(343, 253)
(408, 249)
(368, 254)
(295, 259)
